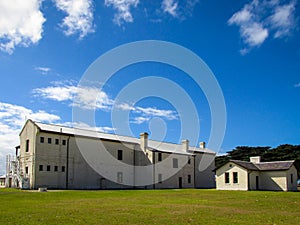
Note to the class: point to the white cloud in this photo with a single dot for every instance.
(79, 17)
(145, 114)
(178, 9)
(140, 120)
(43, 70)
(258, 19)
(123, 8)
(254, 34)
(251, 29)
(84, 97)
(297, 85)
(168, 114)
(12, 118)
(283, 19)
(21, 23)
(170, 6)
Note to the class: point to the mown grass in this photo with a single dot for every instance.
(187, 206)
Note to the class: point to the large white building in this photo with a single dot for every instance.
(53, 156)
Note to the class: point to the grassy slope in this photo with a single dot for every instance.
(149, 207)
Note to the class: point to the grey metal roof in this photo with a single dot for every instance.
(244, 164)
(265, 166)
(279, 165)
(152, 145)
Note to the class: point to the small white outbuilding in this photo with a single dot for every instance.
(257, 175)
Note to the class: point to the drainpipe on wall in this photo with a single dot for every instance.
(67, 164)
(153, 169)
(134, 151)
(194, 171)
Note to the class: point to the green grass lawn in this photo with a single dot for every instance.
(186, 206)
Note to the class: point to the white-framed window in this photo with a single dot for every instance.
(120, 154)
(227, 178)
(235, 177)
(159, 156)
(27, 146)
(175, 163)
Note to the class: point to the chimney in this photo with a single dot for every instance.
(255, 159)
(202, 144)
(144, 140)
(185, 145)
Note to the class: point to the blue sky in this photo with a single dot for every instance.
(252, 47)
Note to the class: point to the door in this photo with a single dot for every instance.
(257, 182)
(102, 183)
(180, 182)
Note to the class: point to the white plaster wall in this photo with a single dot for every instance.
(230, 168)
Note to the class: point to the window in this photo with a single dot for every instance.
(120, 155)
(189, 161)
(57, 141)
(27, 146)
(120, 177)
(49, 140)
(63, 142)
(42, 139)
(175, 163)
(235, 177)
(63, 168)
(41, 168)
(55, 168)
(292, 180)
(189, 179)
(48, 167)
(159, 156)
(26, 170)
(160, 178)
(227, 181)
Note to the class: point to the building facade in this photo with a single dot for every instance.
(55, 157)
(257, 175)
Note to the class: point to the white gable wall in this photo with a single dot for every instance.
(231, 167)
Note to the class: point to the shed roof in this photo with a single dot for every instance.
(263, 166)
(244, 164)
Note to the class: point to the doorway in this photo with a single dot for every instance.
(257, 182)
(180, 182)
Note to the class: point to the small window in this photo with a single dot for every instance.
(49, 140)
(55, 168)
(41, 168)
(48, 167)
(63, 168)
(64, 142)
(189, 161)
(120, 155)
(159, 157)
(56, 141)
(120, 177)
(27, 146)
(42, 139)
(292, 179)
(235, 177)
(26, 170)
(227, 181)
(189, 179)
(175, 163)
(160, 178)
